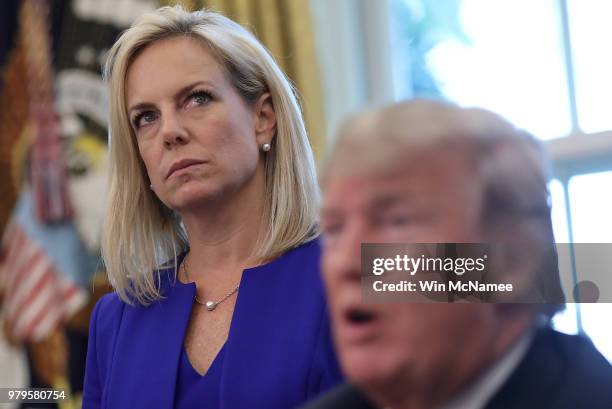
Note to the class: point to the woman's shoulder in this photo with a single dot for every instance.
(107, 309)
(109, 302)
(103, 329)
(300, 264)
(297, 268)
(305, 254)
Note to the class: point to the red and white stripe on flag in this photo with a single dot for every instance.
(37, 298)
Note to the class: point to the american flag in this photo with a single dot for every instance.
(48, 173)
(38, 290)
(39, 294)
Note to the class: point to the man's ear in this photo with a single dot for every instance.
(265, 119)
(518, 262)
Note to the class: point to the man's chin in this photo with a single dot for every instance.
(368, 367)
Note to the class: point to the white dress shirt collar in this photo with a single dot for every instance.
(478, 394)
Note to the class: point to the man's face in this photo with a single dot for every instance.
(435, 198)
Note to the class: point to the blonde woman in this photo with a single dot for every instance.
(212, 174)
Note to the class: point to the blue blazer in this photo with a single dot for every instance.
(278, 353)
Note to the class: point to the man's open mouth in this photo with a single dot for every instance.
(359, 316)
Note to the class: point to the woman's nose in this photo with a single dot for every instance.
(173, 132)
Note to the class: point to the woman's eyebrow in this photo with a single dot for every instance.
(185, 90)
(180, 93)
(140, 107)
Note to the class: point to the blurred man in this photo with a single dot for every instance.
(428, 172)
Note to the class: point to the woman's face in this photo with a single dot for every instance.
(198, 138)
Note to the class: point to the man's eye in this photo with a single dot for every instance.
(397, 220)
(331, 229)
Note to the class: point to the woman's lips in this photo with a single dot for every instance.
(183, 164)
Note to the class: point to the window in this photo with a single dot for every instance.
(590, 31)
(493, 63)
(545, 66)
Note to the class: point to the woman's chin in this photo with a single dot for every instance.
(188, 198)
(197, 194)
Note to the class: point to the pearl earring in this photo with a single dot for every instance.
(265, 147)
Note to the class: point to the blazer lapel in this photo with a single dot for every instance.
(250, 360)
(145, 365)
(268, 336)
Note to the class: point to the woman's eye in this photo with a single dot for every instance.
(144, 118)
(198, 98)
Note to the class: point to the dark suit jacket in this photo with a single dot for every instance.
(558, 372)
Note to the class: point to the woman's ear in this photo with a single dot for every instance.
(265, 119)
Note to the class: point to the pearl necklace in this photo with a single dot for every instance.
(210, 305)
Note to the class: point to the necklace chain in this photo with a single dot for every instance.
(210, 305)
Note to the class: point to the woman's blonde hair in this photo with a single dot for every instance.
(140, 232)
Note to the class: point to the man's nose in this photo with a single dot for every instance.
(345, 257)
(173, 131)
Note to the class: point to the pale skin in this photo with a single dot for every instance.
(182, 105)
(410, 355)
